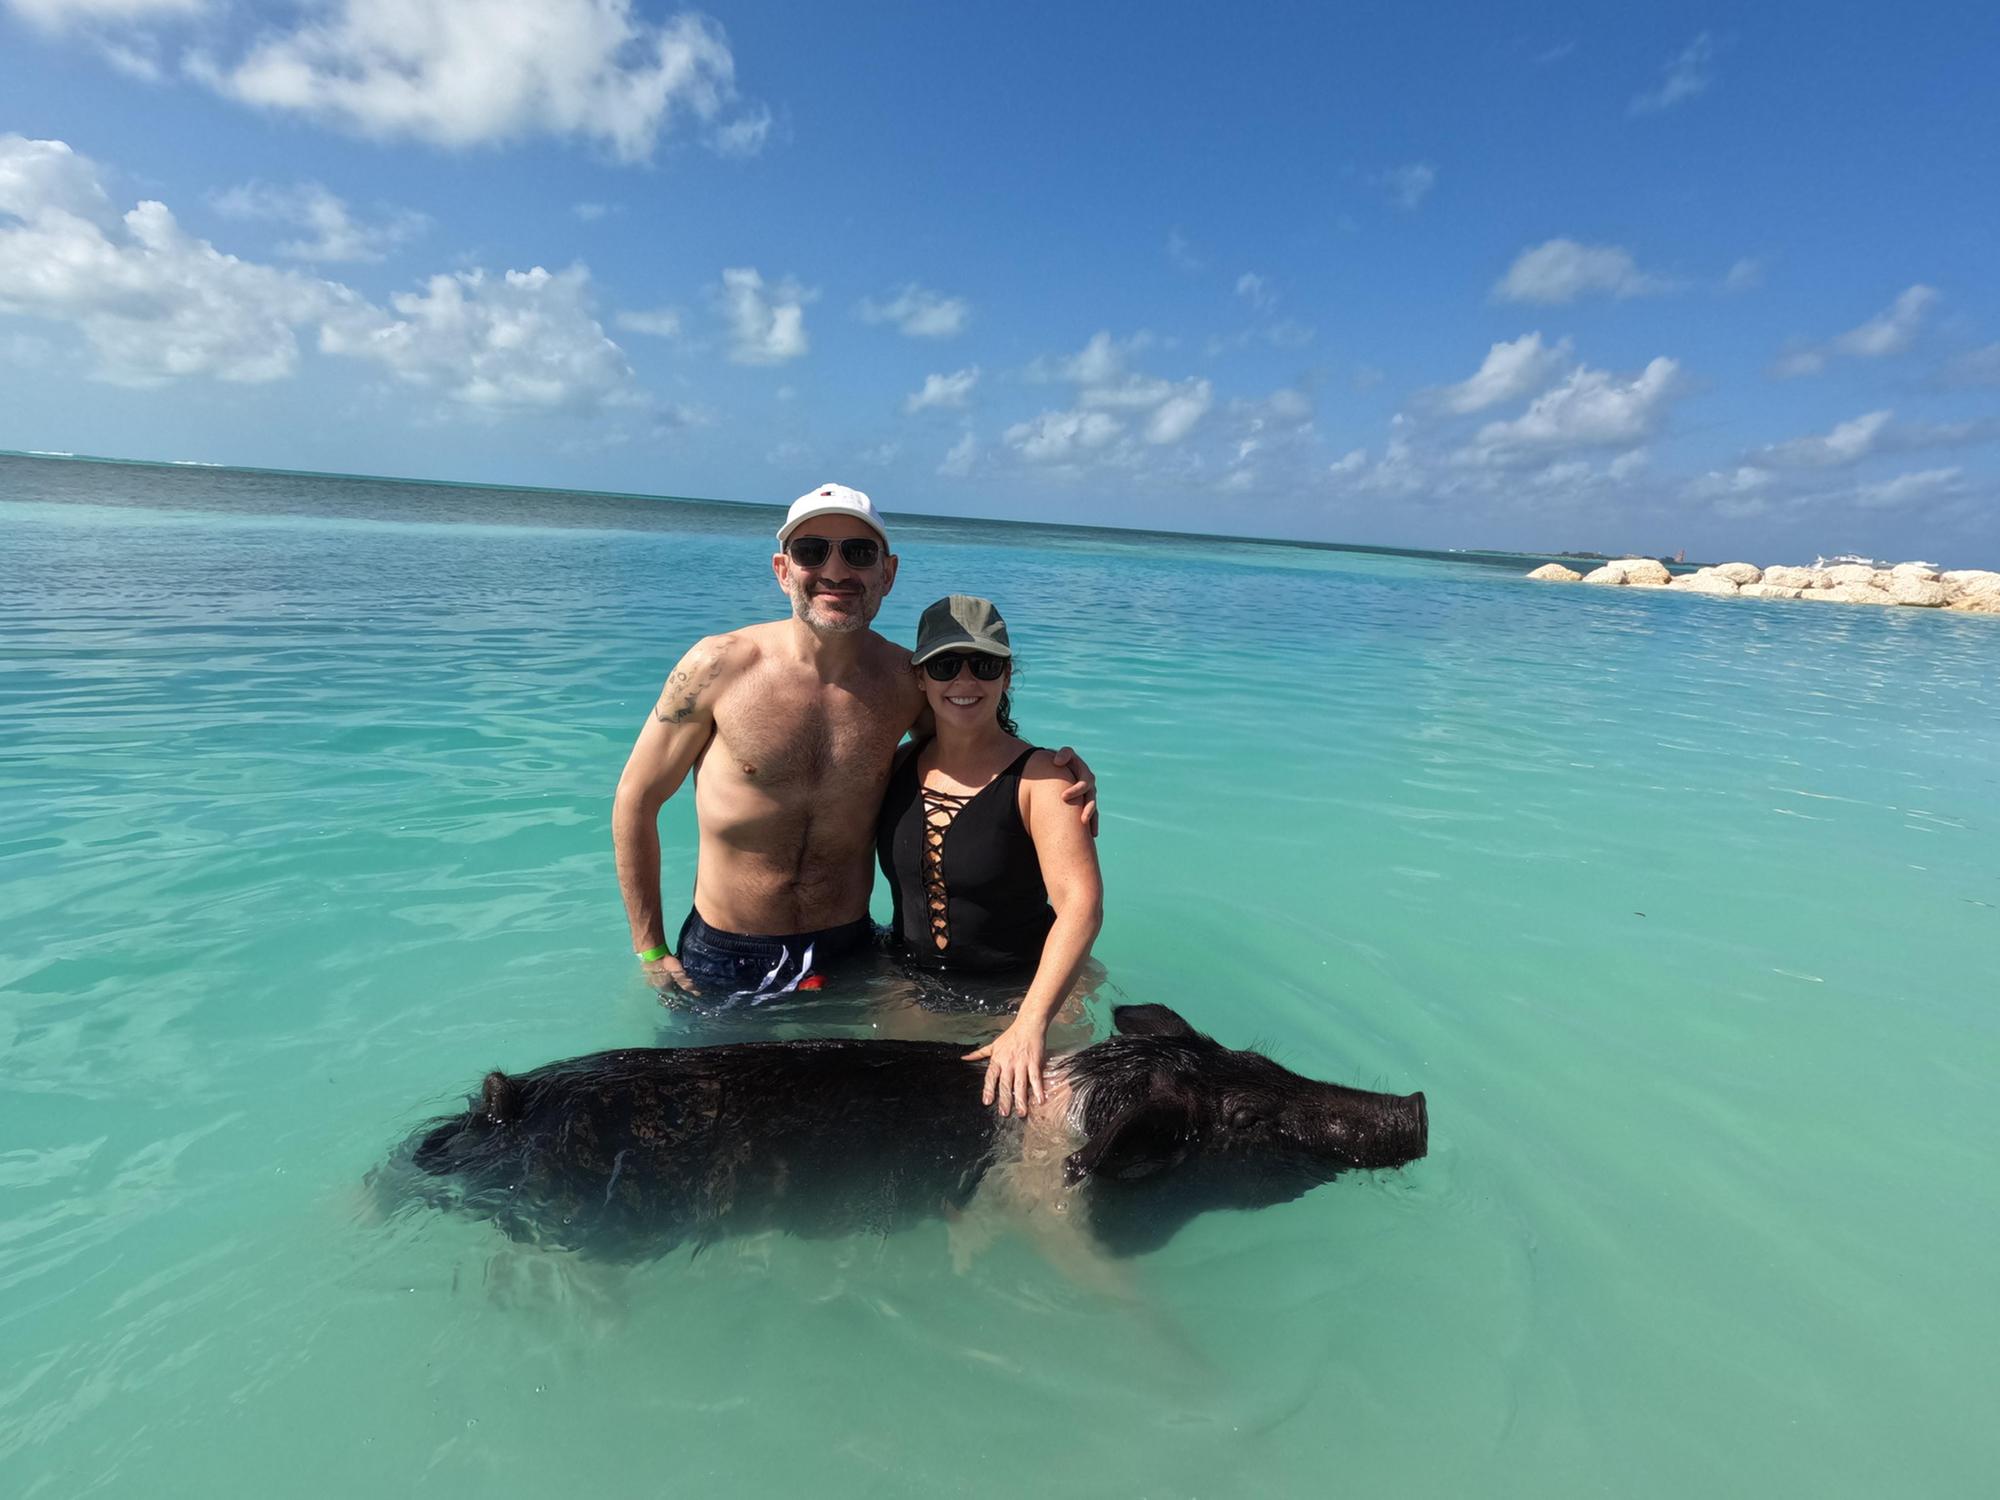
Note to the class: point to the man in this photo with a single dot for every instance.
(790, 728)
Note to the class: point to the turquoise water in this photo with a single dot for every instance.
(1683, 913)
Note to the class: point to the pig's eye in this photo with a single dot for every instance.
(1243, 1117)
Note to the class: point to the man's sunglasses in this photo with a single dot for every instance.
(855, 551)
(985, 667)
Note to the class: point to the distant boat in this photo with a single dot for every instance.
(49, 453)
(193, 463)
(1847, 557)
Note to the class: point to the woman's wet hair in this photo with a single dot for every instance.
(1006, 711)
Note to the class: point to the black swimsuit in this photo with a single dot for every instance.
(964, 873)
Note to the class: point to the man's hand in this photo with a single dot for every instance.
(1013, 1068)
(1082, 790)
(666, 972)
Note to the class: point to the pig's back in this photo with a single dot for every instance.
(638, 1150)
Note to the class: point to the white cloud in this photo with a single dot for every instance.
(1351, 462)
(1410, 185)
(1978, 367)
(943, 390)
(335, 235)
(1061, 436)
(154, 302)
(1745, 275)
(1255, 290)
(468, 72)
(1166, 411)
(1730, 484)
(1907, 489)
(1509, 372)
(1684, 76)
(527, 340)
(918, 313)
(1181, 253)
(1562, 270)
(1127, 393)
(1872, 433)
(590, 213)
(1590, 409)
(1625, 465)
(958, 462)
(1890, 331)
(1848, 443)
(655, 322)
(57, 15)
(1101, 360)
(746, 135)
(764, 329)
(1176, 416)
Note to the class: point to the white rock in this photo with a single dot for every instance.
(1971, 583)
(1859, 573)
(1850, 593)
(1704, 582)
(1606, 574)
(1738, 573)
(1790, 578)
(1976, 604)
(1556, 573)
(1907, 588)
(1921, 571)
(1642, 570)
(1769, 591)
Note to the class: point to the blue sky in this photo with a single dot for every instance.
(1721, 278)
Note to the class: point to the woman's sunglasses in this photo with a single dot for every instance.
(855, 551)
(986, 668)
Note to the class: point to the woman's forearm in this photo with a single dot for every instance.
(1063, 953)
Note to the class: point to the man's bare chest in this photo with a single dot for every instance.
(781, 737)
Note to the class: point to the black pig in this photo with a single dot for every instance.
(630, 1153)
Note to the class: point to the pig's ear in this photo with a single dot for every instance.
(1149, 1020)
(1145, 1139)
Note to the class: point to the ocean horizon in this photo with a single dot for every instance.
(1497, 556)
(1673, 909)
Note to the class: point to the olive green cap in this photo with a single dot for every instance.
(960, 622)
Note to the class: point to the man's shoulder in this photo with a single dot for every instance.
(888, 652)
(729, 650)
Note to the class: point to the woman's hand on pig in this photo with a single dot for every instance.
(1013, 1068)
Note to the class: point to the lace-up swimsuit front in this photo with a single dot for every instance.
(963, 870)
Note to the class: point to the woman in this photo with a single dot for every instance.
(992, 872)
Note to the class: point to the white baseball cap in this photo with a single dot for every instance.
(833, 500)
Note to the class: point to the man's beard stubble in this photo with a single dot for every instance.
(802, 608)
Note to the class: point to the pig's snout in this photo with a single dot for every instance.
(1416, 1133)
(1395, 1130)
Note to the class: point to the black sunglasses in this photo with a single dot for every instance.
(855, 551)
(985, 667)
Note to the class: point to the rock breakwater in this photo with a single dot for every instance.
(1916, 585)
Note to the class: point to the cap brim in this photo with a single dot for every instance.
(962, 643)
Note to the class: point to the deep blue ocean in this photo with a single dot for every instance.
(1684, 914)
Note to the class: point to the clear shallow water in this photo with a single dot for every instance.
(1684, 914)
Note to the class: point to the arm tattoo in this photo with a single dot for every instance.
(683, 693)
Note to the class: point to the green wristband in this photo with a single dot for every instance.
(653, 955)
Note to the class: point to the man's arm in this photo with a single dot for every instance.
(676, 732)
